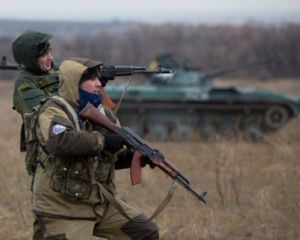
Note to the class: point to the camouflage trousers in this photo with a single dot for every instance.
(37, 232)
(110, 226)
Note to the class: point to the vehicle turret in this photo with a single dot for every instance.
(191, 77)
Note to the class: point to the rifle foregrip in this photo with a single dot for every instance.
(171, 170)
(136, 168)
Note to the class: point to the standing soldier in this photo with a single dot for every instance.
(32, 50)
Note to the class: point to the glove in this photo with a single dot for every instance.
(113, 142)
(124, 160)
(146, 160)
(104, 79)
(129, 155)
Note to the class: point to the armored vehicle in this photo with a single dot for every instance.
(186, 105)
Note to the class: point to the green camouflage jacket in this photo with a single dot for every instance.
(27, 92)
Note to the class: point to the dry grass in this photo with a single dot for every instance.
(253, 189)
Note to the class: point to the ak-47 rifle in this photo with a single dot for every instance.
(139, 147)
(110, 72)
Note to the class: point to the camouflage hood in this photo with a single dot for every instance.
(25, 49)
(70, 72)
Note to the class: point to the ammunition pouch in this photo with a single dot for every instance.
(71, 178)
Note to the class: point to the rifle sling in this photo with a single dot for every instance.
(115, 203)
(116, 108)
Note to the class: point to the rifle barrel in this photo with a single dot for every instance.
(133, 68)
(10, 67)
(189, 189)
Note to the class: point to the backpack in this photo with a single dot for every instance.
(31, 139)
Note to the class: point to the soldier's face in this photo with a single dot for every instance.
(44, 61)
(91, 85)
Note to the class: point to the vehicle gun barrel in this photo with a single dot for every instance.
(235, 68)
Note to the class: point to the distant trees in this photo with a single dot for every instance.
(208, 47)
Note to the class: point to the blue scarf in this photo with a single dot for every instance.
(86, 97)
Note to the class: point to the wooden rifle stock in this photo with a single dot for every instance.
(92, 114)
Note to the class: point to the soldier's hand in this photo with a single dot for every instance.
(104, 79)
(146, 160)
(113, 142)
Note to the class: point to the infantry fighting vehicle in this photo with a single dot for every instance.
(187, 105)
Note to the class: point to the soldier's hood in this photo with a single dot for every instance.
(70, 72)
(25, 49)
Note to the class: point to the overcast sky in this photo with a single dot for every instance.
(152, 11)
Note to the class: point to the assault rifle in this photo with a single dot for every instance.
(110, 72)
(135, 143)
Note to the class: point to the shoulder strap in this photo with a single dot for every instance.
(115, 203)
(71, 110)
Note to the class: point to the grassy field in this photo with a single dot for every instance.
(253, 189)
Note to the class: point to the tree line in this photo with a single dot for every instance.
(207, 47)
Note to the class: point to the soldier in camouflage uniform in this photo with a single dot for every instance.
(78, 161)
(32, 50)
